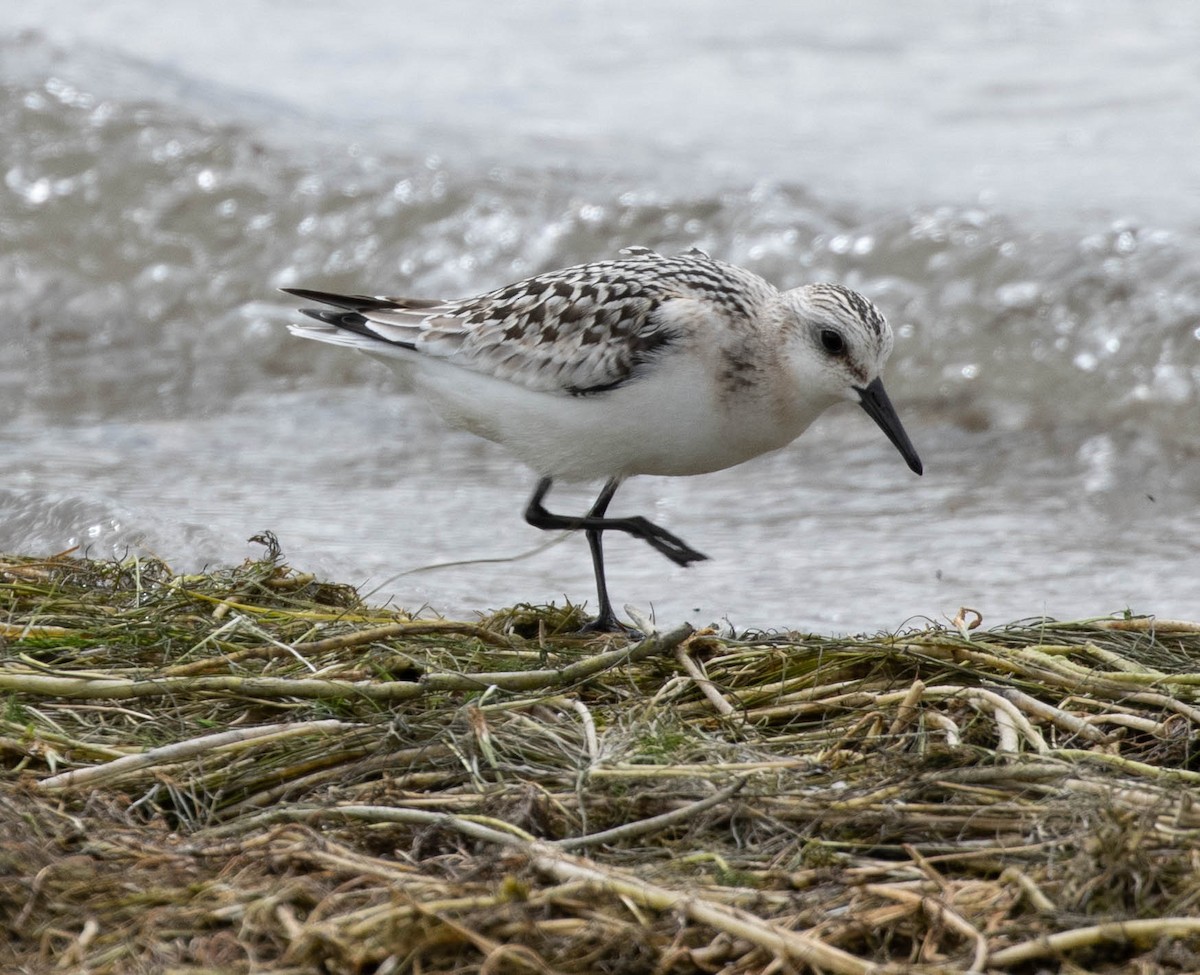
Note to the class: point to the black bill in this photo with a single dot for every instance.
(874, 399)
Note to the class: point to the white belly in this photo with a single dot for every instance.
(673, 421)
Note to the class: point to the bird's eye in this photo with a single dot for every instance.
(832, 341)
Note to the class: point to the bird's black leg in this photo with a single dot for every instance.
(595, 524)
(606, 619)
(674, 548)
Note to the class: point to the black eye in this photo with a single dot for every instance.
(832, 341)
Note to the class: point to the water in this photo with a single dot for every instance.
(1015, 184)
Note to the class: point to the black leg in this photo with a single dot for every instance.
(606, 619)
(595, 524)
(673, 547)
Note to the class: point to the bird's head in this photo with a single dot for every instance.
(840, 343)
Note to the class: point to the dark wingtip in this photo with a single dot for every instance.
(342, 319)
(349, 302)
(343, 314)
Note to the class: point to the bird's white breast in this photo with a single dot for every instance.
(674, 420)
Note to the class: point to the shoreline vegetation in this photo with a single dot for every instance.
(250, 770)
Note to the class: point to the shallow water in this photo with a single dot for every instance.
(1014, 184)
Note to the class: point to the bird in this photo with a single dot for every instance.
(641, 364)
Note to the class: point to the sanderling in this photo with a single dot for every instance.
(641, 365)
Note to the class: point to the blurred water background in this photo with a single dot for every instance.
(1016, 184)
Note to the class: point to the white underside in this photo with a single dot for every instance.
(672, 421)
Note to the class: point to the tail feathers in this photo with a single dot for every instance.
(350, 325)
(335, 336)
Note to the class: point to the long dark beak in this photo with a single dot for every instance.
(874, 399)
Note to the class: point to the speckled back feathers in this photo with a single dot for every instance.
(582, 329)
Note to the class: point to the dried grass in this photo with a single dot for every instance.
(251, 771)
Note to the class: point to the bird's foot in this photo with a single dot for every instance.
(608, 623)
(672, 546)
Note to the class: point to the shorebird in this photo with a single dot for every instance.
(641, 365)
